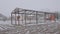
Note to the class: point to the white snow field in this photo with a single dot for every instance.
(41, 28)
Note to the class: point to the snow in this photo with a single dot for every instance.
(41, 28)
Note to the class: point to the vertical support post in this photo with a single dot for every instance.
(18, 19)
(30, 19)
(25, 17)
(11, 18)
(44, 17)
(57, 16)
(36, 18)
(15, 19)
(22, 18)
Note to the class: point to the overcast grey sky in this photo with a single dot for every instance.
(6, 6)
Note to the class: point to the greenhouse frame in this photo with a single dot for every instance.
(26, 16)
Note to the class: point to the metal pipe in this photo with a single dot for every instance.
(11, 18)
(22, 18)
(18, 19)
(36, 18)
(15, 19)
(25, 17)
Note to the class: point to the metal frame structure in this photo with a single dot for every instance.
(25, 13)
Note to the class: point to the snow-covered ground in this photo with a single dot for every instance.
(47, 28)
(5, 22)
